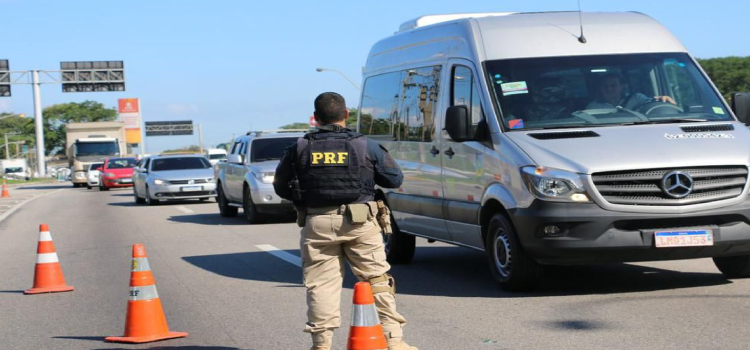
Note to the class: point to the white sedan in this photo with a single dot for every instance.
(93, 174)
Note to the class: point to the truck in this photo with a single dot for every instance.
(15, 168)
(92, 142)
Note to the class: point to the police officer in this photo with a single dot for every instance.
(331, 174)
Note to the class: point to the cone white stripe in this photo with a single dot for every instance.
(365, 316)
(143, 293)
(46, 258)
(140, 264)
(44, 236)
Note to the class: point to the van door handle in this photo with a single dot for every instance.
(434, 151)
(449, 152)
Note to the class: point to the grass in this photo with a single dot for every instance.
(35, 181)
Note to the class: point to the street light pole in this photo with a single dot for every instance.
(41, 167)
(341, 74)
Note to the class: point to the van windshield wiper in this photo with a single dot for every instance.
(667, 121)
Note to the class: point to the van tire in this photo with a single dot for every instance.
(399, 246)
(734, 266)
(225, 210)
(511, 267)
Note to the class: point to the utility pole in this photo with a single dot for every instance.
(42, 167)
(7, 150)
(200, 138)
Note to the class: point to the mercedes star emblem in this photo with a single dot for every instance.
(677, 184)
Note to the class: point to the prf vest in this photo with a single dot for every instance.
(333, 169)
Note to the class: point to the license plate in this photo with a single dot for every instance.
(126, 181)
(192, 188)
(686, 238)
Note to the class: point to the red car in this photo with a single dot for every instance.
(117, 172)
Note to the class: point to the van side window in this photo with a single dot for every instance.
(401, 106)
(464, 93)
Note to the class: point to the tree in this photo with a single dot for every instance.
(730, 74)
(22, 128)
(295, 126)
(57, 116)
(188, 149)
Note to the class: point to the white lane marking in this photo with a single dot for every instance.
(183, 209)
(290, 258)
(19, 205)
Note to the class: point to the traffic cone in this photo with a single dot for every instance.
(48, 276)
(6, 194)
(145, 321)
(365, 332)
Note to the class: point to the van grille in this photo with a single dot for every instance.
(706, 128)
(644, 187)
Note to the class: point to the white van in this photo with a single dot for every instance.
(215, 155)
(523, 138)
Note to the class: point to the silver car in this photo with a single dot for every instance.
(173, 177)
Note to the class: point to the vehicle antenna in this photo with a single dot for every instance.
(581, 39)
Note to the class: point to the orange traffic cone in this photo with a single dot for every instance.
(365, 332)
(48, 276)
(145, 321)
(6, 194)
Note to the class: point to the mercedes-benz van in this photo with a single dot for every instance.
(554, 138)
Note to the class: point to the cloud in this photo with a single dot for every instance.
(182, 109)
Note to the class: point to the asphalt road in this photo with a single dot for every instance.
(217, 281)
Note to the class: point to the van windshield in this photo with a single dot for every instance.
(585, 91)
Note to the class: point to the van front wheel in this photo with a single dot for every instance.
(734, 266)
(399, 246)
(511, 267)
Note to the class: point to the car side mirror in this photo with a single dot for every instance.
(234, 158)
(741, 106)
(458, 125)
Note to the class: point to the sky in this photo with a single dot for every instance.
(236, 66)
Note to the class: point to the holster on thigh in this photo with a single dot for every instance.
(385, 278)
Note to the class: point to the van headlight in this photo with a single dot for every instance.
(266, 178)
(555, 185)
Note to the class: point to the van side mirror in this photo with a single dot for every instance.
(741, 106)
(458, 125)
(234, 158)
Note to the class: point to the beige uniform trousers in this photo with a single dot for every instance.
(327, 241)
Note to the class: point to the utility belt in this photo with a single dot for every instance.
(356, 214)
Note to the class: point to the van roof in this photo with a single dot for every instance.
(491, 36)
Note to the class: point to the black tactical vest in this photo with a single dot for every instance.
(333, 169)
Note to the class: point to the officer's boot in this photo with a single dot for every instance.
(399, 344)
(322, 340)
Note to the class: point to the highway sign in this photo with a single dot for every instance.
(4, 78)
(91, 76)
(169, 128)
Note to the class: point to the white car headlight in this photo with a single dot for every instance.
(159, 182)
(266, 178)
(555, 185)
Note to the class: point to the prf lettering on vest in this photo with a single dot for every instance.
(323, 158)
